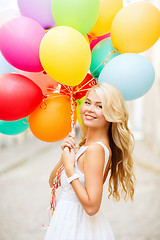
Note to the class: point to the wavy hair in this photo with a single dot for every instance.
(121, 181)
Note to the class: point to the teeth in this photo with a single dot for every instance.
(89, 117)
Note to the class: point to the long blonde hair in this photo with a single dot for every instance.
(122, 178)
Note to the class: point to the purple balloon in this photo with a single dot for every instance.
(39, 10)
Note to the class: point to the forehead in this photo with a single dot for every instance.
(92, 95)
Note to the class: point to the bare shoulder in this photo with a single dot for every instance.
(95, 147)
(95, 151)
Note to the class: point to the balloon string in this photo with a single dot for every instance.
(92, 37)
(72, 114)
(79, 90)
(106, 59)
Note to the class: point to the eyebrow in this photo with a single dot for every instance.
(90, 100)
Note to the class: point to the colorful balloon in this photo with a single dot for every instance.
(136, 28)
(51, 121)
(102, 53)
(13, 127)
(39, 10)
(131, 73)
(45, 82)
(108, 10)
(65, 55)
(80, 14)
(19, 96)
(5, 67)
(19, 43)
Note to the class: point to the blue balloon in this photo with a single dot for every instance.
(101, 54)
(13, 127)
(5, 67)
(131, 73)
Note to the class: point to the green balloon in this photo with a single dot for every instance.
(78, 14)
(13, 127)
(103, 50)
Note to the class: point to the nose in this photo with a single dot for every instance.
(91, 108)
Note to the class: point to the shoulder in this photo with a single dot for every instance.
(94, 147)
(95, 151)
(94, 159)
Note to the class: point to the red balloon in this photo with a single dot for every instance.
(80, 90)
(19, 96)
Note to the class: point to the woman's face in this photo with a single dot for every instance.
(91, 112)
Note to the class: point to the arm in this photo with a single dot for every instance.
(90, 196)
(68, 142)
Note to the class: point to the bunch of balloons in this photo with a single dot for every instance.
(49, 48)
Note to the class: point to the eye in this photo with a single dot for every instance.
(99, 106)
(86, 102)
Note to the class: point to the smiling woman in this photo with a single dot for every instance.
(106, 145)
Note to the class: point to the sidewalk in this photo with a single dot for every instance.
(16, 155)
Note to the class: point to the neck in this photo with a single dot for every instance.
(97, 134)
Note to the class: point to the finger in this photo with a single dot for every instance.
(67, 146)
(71, 143)
(72, 134)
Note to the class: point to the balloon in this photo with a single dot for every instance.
(101, 54)
(98, 39)
(45, 82)
(80, 14)
(65, 55)
(136, 28)
(79, 104)
(108, 10)
(13, 127)
(19, 43)
(80, 90)
(19, 96)
(8, 14)
(51, 121)
(131, 73)
(5, 67)
(39, 10)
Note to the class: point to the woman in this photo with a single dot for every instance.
(106, 145)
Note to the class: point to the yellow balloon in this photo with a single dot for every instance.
(136, 28)
(65, 55)
(108, 10)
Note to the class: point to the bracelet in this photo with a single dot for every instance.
(73, 177)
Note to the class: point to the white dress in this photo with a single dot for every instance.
(69, 220)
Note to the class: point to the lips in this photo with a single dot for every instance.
(89, 117)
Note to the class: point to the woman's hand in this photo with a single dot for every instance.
(68, 158)
(69, 142)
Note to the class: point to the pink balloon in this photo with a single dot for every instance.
(42, 79)
(19, 43)
(97, 40)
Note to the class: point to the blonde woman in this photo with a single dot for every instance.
(105, 148)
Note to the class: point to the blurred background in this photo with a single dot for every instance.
(26, 162)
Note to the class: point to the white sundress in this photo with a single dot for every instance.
(69, 220)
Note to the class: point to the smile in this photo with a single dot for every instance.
(89, 117)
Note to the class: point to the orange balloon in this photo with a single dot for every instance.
(51, 121)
